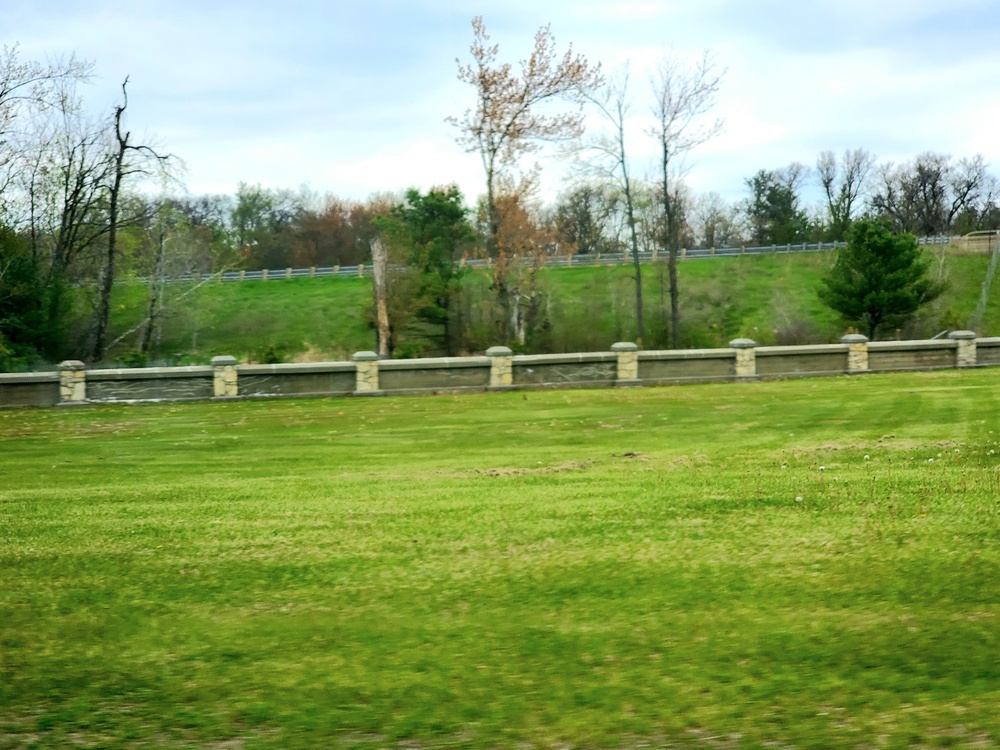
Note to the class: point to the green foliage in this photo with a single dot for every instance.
(589, 308)
(270, 355)
(429, 232)
(879, 279)
(774, 211)
(25, 328)
(134, 358)
(775, 564)
(263, 225)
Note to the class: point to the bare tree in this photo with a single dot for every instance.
(716, 223)
(843, 185)
(926, 195)
(26, 88)
(683, 96)
(143, 159)
(63, 182)
(505, 124)
(612, 103)
(968, 182)
(585, 217)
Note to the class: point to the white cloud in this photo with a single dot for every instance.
(351, 97)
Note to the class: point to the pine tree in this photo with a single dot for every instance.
(878, 278)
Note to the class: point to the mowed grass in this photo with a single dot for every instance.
(809, 564)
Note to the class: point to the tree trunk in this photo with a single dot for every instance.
(108, 279)
(155, 299)
(380, 263)
(675, 310)
(516, 319)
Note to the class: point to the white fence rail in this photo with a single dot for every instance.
(560, 261)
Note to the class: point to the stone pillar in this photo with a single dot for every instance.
(72, 382)
(746, 360)
(263, 274)
(501, 367)
(224, 377)
(628, 363)
(965, 355)
(857, 352)
(288, 273)
(366, 377)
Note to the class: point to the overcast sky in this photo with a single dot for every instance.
(350, 97)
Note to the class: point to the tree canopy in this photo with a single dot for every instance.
(879, 278)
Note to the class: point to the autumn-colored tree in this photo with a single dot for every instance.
(327, 237)
(505, 123)
(524, 240)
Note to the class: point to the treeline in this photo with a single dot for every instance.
(83, 204)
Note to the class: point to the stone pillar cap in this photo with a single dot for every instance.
(364, 357)
(223, 360)
(742, 344)
(963, 335)
(854, 338)
(72, 364)
(624, 346)
(499, 351)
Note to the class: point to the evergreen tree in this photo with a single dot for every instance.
(773, 209)
(878, 278)
(428, 233)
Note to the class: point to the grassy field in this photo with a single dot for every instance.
(769, 298)
(808, 564)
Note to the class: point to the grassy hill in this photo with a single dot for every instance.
(770, 298)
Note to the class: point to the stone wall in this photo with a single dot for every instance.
(366, 375)
(597, 369)
(149, 384)
(319, 379)
(686, 366)
(791, 361)
(29, 389)
(988, 351)
(435, 374)
(911, 355)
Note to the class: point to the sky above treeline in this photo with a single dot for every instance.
(349, 97)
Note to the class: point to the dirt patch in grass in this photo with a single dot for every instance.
(513, 471)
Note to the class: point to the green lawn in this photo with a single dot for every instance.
(808, 564)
